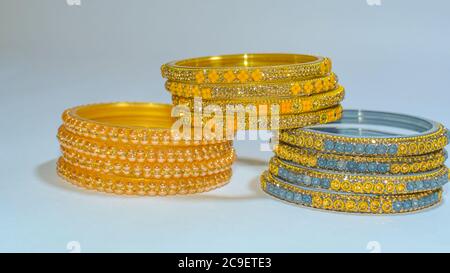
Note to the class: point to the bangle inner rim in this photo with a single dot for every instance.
(363, 121)
(246, 60)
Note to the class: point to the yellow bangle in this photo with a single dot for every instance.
(140, 186)
(293, 105)
(129, 148)
(305, 87)
(149, 170)
(244, 68)
(288, 121)
(276, 122)
(127, 123)
(145, 153)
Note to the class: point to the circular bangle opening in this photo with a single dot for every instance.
(142, 115)
(247, 60)
(361, 123)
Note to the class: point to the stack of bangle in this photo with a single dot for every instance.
(130, 148)
(353, 166)
(302, 87)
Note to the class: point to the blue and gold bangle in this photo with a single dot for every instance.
(362, 164)
(341, 138)
(345, 202)
(317, 178)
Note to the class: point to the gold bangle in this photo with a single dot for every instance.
(305, 87)
(276, 122)
(362, 164)
(144, 153)
(357, 183)
(139, 186)
(123, 122)
(286, 105)
(245, 68)
(310, 118)
(357, 203)
(149, 170)
(125, 147)
(289, 121)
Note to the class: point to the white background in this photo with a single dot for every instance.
(391, 57)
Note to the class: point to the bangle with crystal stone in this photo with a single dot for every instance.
(147, 169)
(140, 186)
(129, 145)
(357, 183)
(128, 123)
(213, 91)
(261, 121)
(285, 105)
(345, 202)
(362, 164)
(142, 153)
(348, 135)
(244, 68)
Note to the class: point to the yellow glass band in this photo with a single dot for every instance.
(254, 89)
(134, 123)
(140, 186)
(244, 68)
(147, 169)
(142, 153)
(275, 122)
(129, 148)
(292, 105)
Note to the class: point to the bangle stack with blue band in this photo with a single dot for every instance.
(353, 165)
